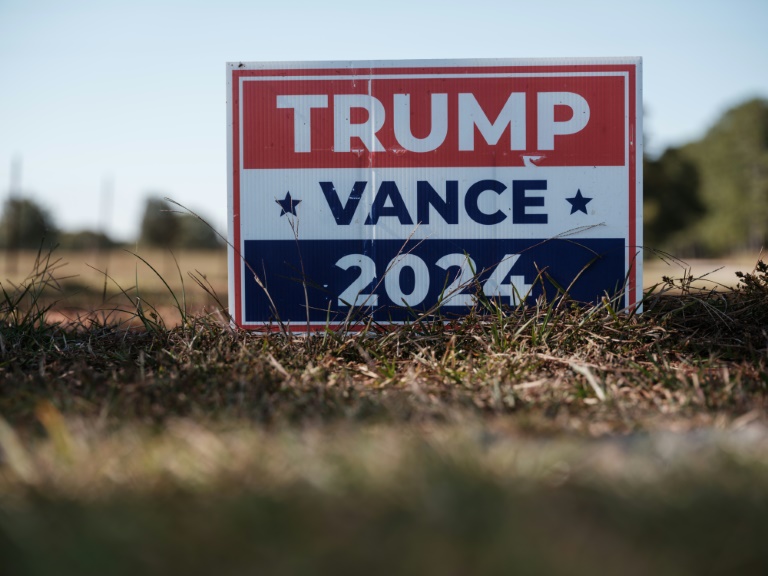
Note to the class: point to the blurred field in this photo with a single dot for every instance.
(103, 280)
(86, 269)
(710, 274)
(463, 499)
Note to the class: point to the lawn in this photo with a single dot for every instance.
(553, 439)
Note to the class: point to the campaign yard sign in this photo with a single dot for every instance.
(394, 187)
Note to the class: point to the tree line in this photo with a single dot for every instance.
(706, 198)
(25, 224)
(710, 197)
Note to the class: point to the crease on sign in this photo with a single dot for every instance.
(530, 161)
(372, 139)
(373, 235)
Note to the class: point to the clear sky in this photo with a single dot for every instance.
(132, 94)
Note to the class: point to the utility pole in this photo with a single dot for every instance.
(105, 222)
(14, 220)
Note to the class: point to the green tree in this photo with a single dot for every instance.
(26, 224)
(196, 234)
(159, 225)
(671, 200)
(163, 226)
(733, 163)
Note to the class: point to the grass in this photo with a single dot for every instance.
(96, 280)
(553, 439)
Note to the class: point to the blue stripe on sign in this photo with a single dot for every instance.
(419, 272)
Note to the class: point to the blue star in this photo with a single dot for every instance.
(579, 203)
(288, 205)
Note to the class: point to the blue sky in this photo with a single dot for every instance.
(133, 93)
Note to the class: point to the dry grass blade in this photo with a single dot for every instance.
(15, 456)
(585, 371)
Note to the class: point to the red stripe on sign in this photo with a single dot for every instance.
(433, 122)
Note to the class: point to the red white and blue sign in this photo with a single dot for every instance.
(391, 188)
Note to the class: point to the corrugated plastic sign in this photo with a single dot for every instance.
(392, 188)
